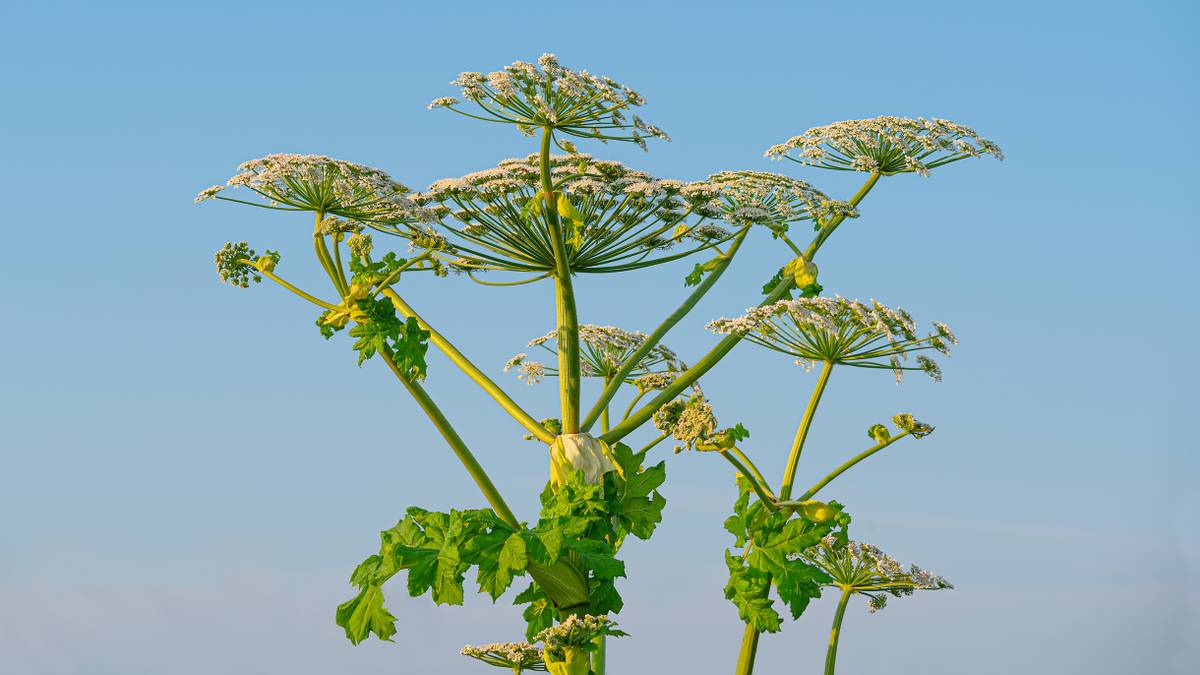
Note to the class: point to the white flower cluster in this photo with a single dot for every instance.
(517, 656)
(774, 200)
(602, 351)
(548, 95)
(837, 330)
(885, 144)
(529, 372)
(325, 185)
(575, 631)
(688, 421)
(864, 568)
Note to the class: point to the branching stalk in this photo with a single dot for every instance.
(454, 441)
(789, 473)
(808, 494)
(564, 296)
(472, 371)
(654, 338)
(835, 633)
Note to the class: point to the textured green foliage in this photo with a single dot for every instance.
(437, 549)
(539, 615)
(634, 500)
(383, 329)
(749, 590)
(368, 272)
(586, 523)
(773, 541)
(365, 614)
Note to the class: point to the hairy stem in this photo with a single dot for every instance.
(831, 655)
(567, 336)
(472, 371)
(654, 338)
(789, 473)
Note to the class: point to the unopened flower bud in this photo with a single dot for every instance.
(879, 432)
(579, 452)
(802, 271)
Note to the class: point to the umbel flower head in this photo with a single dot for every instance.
(614, 218)
(573, 103)
(864, 569)
(688, 420)
(602, 350)
(887, 145)
(774, 200)
(322, 184)
(840, 331)
(566, 646)
(516, 656)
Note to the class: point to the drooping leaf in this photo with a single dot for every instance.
(748, 590)
(365, 614)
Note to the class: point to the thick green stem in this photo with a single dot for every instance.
(654, 338)
(789, 473)
(808, 494)
(599, 656)
(454, 441)
(472, 371)
(604, 414)
(567, 336)
(831, 655)
(745, 663)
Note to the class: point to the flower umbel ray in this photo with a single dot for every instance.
(324, 185)
(551, 96)
(885, 144)
(516, 656)
(858, 567)
(602, 351)
(840, 331)
(614, 218)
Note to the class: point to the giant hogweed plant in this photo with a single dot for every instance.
(549, 218)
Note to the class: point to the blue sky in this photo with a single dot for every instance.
(179, 494)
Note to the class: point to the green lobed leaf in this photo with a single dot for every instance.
(634, 502)
(748, 591)
(365, 614)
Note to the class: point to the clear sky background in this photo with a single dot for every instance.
(188, 472)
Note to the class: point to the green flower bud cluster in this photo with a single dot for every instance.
(908, 423)
(233, 266)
